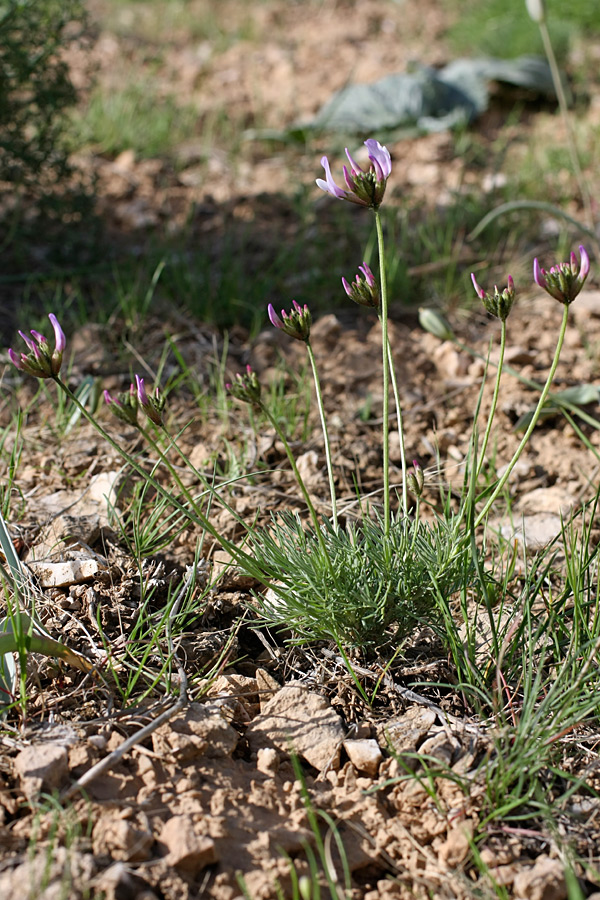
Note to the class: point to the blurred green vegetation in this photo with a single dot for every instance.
(136, 117)
(503, 28)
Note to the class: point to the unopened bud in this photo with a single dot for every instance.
(435, 323)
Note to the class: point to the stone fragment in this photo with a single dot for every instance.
(442, 746)
(114, 836)
(364, 755)
(187, 851)
(535, 531)
(302, 721)
(42, 767)
(196, 731)
(25, 881)
(555, 499)
(456, 847)
(119, 883)
(266, 686)
(63, 574)
(267, 761)
(543, 881)
(406, 732)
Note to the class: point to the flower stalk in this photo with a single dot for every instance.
(534, 419)
(319, 394)
(297, 324)
(387, 366)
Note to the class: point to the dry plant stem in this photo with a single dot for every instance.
(313, 363)
(492, 413)
(564, 108)
(492, 499)
(383, 318)
(113, 758)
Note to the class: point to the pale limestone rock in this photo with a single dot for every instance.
(406, 732)
(63, 574)
(535, 531)
(196, 731)
(48, 870)
(457, 845)
(442, 746)
(364, 755)
(301, 721)
(267, 761)
(114, 836)
(543, 881)
(188, 851)
(42, 767)
(119, 883)
(266, 686)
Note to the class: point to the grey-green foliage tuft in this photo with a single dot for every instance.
(374, 587)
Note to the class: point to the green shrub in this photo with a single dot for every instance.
(35, 92)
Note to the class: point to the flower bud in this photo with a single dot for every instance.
(435, 323)
(536, 10)
(415, 480)
(498, 304)
(152, 406)
(124, 406)
(246, 387)
(364, 290)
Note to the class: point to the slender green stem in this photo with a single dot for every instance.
(492, 413)
(300, 481)
(400, 429)
(383, 318)
(210, 488)
(564, 108)
(545, 390)
(313, 363)
(554, 399)
(193, 515)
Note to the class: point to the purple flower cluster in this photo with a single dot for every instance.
(499, 303)
(363, 187)
(41, 362)
(246, 387)
(564, 280)
(125, 405)
(296, 323)
(364, 290)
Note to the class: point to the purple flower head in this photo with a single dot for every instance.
(363, 187)
(364, 290)
(124, 406)
(564, 280)
(152, 406)
(296, 323)
(246, 387)
(499, 303)
(41, 362)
